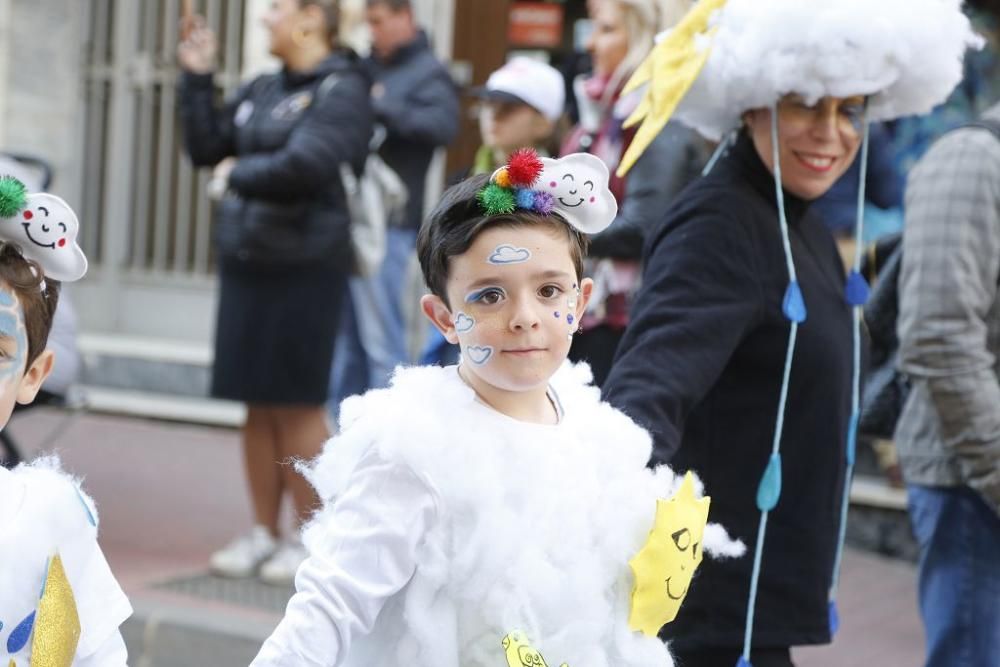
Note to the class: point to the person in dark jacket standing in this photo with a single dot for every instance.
(282, 238)
(743, 311)
(416, 110)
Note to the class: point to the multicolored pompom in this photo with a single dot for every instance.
(13, 196)
(523, 167)
(497, 200)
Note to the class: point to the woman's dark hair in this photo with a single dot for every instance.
(24, 278)
(458, 219)
(331, 12)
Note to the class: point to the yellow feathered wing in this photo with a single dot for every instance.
(670, 70)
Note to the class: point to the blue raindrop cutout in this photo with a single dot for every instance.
(834, 618)
(856, 291)
(769, 489)
(19, 636)
(793, 305)
(743, 662)
(852, 439)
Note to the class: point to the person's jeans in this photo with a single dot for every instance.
(349, 375)
(959, 576)
(376, 331)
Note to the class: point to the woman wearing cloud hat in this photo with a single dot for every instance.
(742, 353)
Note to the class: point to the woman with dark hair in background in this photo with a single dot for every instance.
(282, 237)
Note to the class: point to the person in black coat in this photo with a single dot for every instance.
(283, 242)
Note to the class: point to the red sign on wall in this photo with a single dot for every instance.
(535, 24)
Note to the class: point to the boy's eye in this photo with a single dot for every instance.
(550, 291)
(486, 297)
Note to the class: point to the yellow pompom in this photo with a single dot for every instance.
(502, 178)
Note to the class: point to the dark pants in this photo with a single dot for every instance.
(722, 657)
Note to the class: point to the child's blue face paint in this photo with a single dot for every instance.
(486, 296)
(12, 328)
(463, 322)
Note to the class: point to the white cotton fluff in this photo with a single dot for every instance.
(906, 54)
(535, 529)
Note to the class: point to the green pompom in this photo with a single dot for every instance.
(13, 196)
(496, 200)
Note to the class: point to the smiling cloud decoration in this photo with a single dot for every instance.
(578, 184)
(44, 227)
(663, 568)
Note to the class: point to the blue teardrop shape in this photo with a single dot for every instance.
(19, 636)
(852, 438)
(856, 291)
(743, 662)
(793, 305)
(769, 489)
(834, 618)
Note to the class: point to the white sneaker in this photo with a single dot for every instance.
(280, 568)
(242, 556)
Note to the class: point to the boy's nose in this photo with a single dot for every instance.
(524, 316)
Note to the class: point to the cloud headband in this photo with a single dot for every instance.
(575, 186)
(44, 228)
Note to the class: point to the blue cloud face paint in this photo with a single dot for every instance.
(508, 254)
(463, 323)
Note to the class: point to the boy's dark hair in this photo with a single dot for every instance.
(459, 218)
(394, 5)
(24, 278)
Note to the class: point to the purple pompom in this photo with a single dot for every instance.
(544, 203)
(525, 198)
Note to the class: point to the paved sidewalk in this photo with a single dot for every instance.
(168, 494)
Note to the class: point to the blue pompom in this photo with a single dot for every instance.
(525, 198)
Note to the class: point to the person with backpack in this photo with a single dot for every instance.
(283, 241)
(948, 433)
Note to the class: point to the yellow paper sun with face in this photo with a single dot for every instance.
(663, 568)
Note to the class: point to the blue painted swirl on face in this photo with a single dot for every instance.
(12, 327)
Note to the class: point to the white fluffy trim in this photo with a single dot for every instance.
(906, 54)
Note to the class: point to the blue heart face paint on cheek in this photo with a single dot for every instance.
(12, 328)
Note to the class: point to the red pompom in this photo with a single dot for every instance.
(524, 166)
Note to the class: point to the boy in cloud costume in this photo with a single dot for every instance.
(59, 603)
(496, 512)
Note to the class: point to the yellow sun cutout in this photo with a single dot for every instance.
(520, 653)
(664, 566)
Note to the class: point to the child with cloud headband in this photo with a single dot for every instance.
(496, 512)
(59, 603)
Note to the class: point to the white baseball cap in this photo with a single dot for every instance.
(528, 81)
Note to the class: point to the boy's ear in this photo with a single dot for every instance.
(34, 377)
(437, 311)
(586, 291)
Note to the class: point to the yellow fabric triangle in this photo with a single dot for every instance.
(665, 565)
(668, 72)
(57, 624)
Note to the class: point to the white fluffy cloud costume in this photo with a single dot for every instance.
(907, 54)
(534, 530)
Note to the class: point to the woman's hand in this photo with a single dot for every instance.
(198, 48)
(219, 183)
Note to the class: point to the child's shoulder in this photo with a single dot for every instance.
(52, 501)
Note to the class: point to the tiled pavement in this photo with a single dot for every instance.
(169, 493)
